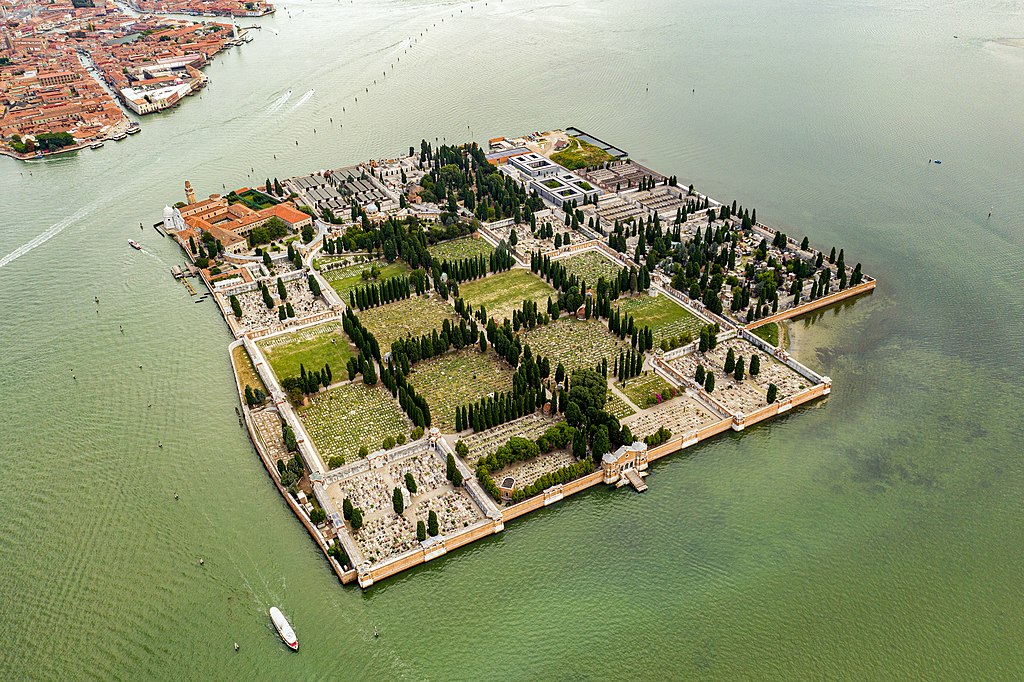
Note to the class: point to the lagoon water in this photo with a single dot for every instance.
(875, 534)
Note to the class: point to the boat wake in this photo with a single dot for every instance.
(46, 236)
(279, 102)
(305, 98)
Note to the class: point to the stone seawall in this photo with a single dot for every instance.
(803, 308)
(268, 464)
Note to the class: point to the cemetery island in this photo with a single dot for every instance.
(429, 346)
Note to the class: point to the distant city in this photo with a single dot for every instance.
(72, 70)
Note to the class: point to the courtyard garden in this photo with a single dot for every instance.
(666, 318)
(343, 419)
(575, 343)
(456, 379)
(313, 347)
(504, 292)
(457, 249)
(580, 154)
(417, 315)
(768, 332)
(590, 266)
(344, 280)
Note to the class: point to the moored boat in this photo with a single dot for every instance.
(96, 145)
(284, 628)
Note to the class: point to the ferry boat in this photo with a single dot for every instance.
(96, 145)
(118, 137)
(134, 128)
(284, 628)
(135, 245)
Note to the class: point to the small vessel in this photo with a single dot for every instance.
(135, 245)
(96, 145)
(118, 137)
(938, 161)
(284, 628)
(134, 128)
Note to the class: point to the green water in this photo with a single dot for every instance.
(875, 534)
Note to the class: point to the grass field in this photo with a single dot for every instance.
(769, 332)
(342, 419)
(590, 266)
(344, 280)
(463, 247)
(575, 343)
(504, 292)
(458, 378)
(312, 347)
(417, 315)
(643, 390)
(666, 318)
(244, 368)
(580, 154)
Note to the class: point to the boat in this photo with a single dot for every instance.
(938, 161)
(284, 628)
(134, 128)
(96, 145)
(135, 245)
(118, 137)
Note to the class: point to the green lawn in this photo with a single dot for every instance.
(417, 316)
(769, 332)
(463, 247)
(643, 390)
(666, 318)
(504, 292)
(342, 419)
(344, 280)
(312, 347)
(247, 375)
(575, 343)
(580, 154)
(590, 266)
(458, 378)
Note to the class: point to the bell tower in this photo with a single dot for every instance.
(190, 194)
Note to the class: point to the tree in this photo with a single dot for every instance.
(397, 500)
(601, 444)
(364, 452)
(579, 444)
(317, 516)
(266, 259)
(709, 382)
(410, 482)
(755, 365)
(357, 519)
(738, 375)
(236, 307)
(282, 293)
(698, 376)
(307, 234)
(421, 531)
(730, 361)
(346, 508)
(432, 528)
(773, 393)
